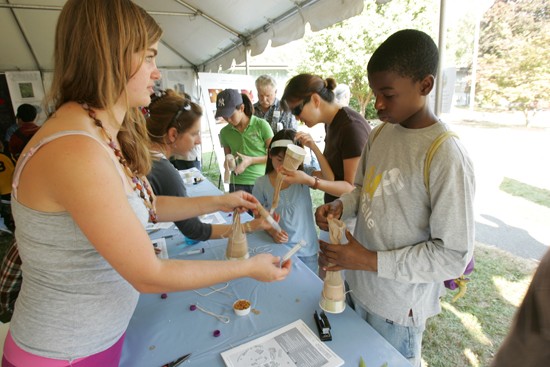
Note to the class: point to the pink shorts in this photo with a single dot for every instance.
(17, 357)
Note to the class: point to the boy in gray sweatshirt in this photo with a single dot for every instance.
(409, 237)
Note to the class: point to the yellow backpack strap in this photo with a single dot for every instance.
(377, 131)
(430, 154)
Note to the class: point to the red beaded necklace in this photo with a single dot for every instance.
(141, 186)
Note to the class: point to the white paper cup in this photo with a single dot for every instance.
(294, 157)
(240, 307)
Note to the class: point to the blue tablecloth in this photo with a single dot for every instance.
(162, 330)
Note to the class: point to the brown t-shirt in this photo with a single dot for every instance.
(528, 343)
(345, 138)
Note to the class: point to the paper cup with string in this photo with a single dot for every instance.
(333, 296)
(229, 166)
(294, 157)
(237, 244)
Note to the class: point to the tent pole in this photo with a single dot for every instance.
(439, 81)
(247, 61)
(474, 61)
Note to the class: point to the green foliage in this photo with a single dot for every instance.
(343, 50)
(513, 65)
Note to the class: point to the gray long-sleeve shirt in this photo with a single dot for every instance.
(420, 240)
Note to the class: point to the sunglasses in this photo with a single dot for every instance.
(186, 107)
(296, 111)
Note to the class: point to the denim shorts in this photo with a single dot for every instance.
(406, 339)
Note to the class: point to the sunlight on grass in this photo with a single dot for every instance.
(526, 191)
(512, 292)
(472, 357)
(470, 323)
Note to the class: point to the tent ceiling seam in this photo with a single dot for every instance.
(168, 46)
(245, 40)
(24, 35)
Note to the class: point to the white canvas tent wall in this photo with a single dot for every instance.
(204, 35)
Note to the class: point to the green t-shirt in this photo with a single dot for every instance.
(252, 142)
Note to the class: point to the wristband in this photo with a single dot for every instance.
(316, 184)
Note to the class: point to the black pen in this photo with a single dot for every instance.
(178, 361)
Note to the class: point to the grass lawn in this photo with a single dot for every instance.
(526, 191)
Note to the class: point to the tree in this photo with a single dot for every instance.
(514, 68)
(343, 50)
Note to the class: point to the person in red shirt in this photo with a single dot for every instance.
(26, 114)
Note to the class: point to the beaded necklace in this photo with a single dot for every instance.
(141, 186)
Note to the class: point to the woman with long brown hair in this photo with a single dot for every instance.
(81, 200)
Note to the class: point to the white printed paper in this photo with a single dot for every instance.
(213, 218)
(294, 345)
(160, 225)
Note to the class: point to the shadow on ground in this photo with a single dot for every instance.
(515, 240)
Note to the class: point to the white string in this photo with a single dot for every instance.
(221, 318)
(262, 249)
(214, 290)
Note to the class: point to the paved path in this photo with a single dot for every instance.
(502, 220)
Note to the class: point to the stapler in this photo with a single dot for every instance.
(323, 326)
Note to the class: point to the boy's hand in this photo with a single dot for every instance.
(333, 209)
(351, 256)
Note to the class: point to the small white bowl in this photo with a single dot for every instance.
(240, 307)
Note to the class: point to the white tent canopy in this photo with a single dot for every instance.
(205, 35)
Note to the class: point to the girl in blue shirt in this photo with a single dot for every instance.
(295, 206)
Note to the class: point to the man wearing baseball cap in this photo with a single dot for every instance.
(246, 137)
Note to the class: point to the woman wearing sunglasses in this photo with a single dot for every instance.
(311, 100)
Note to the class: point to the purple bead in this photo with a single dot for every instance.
(217, 333)
(164, 296)
(192, 307)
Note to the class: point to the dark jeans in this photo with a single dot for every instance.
(247, 188)
(5, 212)
(237, 187)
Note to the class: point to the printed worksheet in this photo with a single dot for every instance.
(294, 345)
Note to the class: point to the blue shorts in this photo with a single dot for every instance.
(406, 339)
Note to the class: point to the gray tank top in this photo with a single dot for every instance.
(72, 303)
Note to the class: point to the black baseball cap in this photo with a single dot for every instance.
(227, 101)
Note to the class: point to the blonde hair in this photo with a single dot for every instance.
(94, 44)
